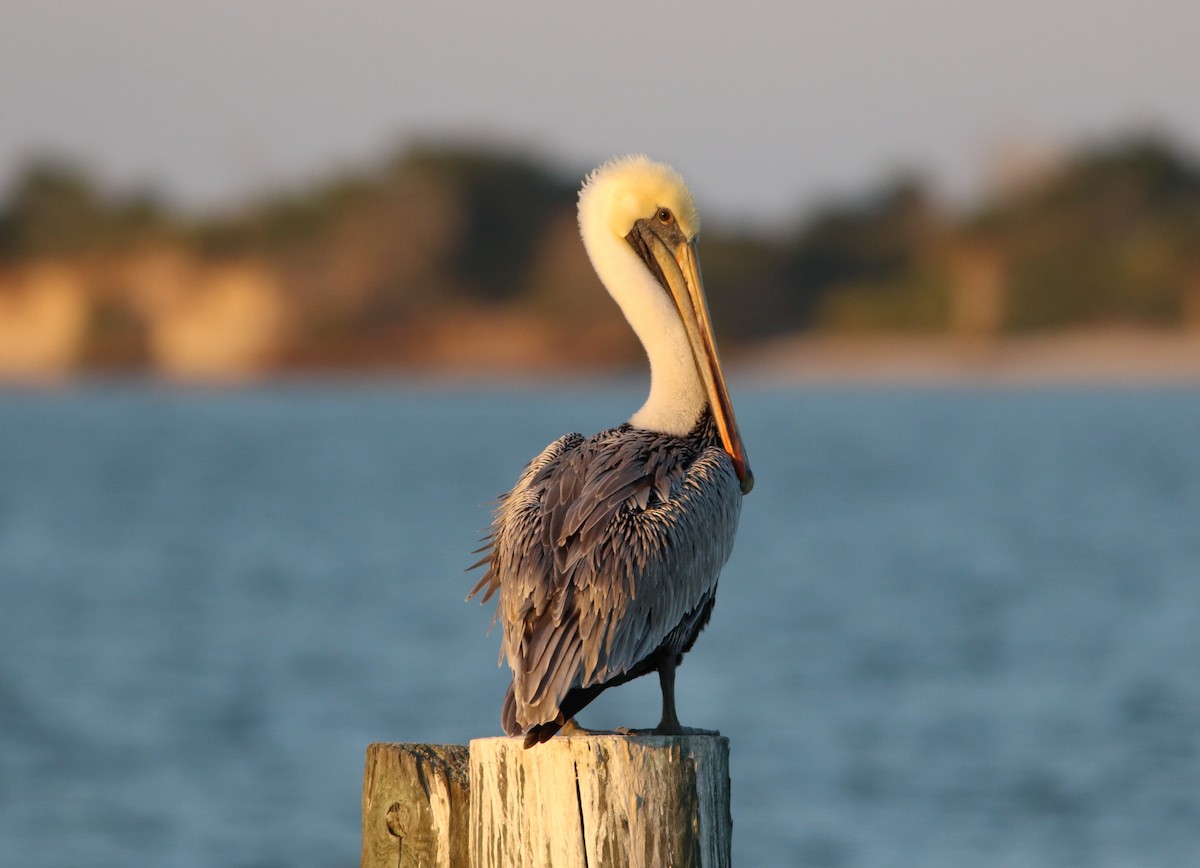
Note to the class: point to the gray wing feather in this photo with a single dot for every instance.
(603, 550)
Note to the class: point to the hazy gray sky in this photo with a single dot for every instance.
(763, 105)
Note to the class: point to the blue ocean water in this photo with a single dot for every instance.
(960, 627)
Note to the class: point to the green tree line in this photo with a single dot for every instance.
(1110, 234)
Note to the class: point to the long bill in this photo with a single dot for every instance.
(681, 268)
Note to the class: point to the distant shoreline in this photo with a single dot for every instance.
(1098, 357)
(1134, 357)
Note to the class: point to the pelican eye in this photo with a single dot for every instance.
(665, 216)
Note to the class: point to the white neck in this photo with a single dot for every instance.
(677, 396)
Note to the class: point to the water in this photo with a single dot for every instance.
(959, 627)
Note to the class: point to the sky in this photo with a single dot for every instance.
(768, 108)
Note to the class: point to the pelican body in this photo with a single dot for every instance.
(607, 551)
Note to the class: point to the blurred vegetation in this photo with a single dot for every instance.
(54, 209)
(1112, 236)
(374, 262)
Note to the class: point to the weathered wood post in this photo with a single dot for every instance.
(599, 801)
(415, 806)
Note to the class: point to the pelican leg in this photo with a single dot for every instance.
(669, 725)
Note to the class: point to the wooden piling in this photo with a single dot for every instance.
(601, 801)
(415, 806)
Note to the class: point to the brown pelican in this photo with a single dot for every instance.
(606, 552)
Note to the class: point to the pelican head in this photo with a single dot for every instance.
(639, 225)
